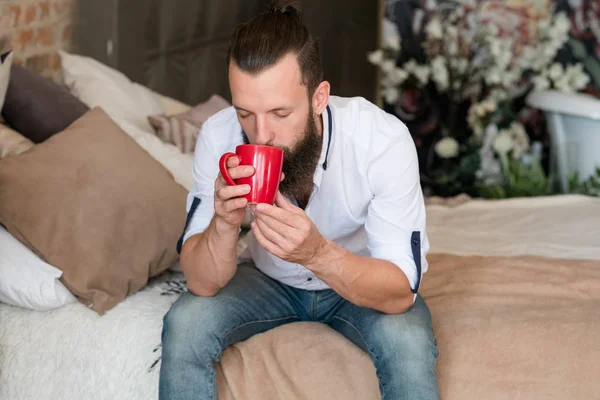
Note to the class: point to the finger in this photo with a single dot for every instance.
(279, 214)
(264, 242)
(233, 162)
(280, 228)
(282, 177)
(234, 204)
(270, 234)
(241, 171)
(229, 192)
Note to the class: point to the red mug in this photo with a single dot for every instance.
(268, 165)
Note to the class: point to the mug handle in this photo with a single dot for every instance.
(223, 168)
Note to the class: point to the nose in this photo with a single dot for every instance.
(264, 134)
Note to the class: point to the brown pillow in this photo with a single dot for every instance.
(12, 142)
(93, 203)
(182, 129)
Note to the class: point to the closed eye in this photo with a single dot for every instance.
(282, 115)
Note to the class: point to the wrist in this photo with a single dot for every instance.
(323, 257)
(224, 229)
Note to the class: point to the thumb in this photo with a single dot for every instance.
(282, 202)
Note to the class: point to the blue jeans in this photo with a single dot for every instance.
(197, 329)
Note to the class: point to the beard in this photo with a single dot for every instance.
(300, 161)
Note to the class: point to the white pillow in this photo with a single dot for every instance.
(4, 77)
(97, 84)
(26, 280)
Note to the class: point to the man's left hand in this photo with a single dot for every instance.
(285, 231)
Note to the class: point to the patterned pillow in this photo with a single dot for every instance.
(182, 129)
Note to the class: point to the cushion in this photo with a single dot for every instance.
(37, 107)
(128, 104)
(98, 85)
(182, 129)
(95, 205)
(5, 63)
(12, 142)
(26, 280)
(172, 106)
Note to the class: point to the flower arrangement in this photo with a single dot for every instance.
(478, 60)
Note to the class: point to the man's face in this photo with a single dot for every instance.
(273, 109)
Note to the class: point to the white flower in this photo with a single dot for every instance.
(494, 76)
(561, 25)
(447, 147)
(498, 95)
(540, 82)
(417, 18)
(439, 73)
(563, 84)
(391, 42)
(398, 76)
(390, 94)
(375, 57)
(388, 66)
(555, 71)
(452, 47)
(503, 142)
(391, 37)
(520, 139)
(421, 72)
(434, 29)
(460, 65)
(430, 5)
(577, 78)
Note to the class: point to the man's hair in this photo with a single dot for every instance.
(261, 42)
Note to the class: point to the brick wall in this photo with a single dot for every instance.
(35, 30)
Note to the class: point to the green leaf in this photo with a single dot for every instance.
(491, 191)
(577, 48)
(592, 67)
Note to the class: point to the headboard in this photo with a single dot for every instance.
(178, 47)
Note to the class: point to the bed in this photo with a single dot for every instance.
(515, 302)
(513, 287)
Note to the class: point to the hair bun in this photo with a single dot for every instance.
(286, 7)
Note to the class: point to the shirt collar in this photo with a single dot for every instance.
(327, 119)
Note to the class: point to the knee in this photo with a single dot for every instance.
(189, 329)
(407, 338)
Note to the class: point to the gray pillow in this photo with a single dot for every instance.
(5, 63)
(38, 108)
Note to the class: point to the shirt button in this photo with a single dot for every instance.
(309, 279)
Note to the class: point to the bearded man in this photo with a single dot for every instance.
(344, 244)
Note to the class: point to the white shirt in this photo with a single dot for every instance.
(367, 200)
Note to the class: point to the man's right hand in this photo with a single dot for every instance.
(229, 206)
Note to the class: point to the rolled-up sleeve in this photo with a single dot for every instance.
(200, 200)
(396, 218)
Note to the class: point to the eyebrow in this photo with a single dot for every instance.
(274, 109)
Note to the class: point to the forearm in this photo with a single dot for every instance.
(364, 281)
(209, 259)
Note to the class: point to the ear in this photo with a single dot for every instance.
(320, 98)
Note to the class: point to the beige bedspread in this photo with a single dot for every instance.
(522, 327)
